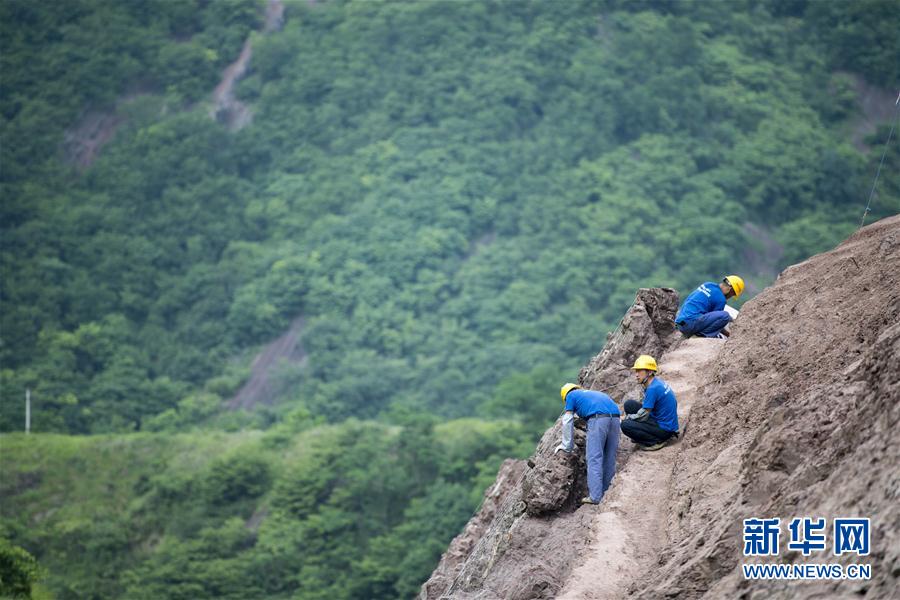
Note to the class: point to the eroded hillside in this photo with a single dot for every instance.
(799, 419)
(794, 416)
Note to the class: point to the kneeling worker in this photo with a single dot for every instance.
(651, 424)
(602, 416)
(703, 311)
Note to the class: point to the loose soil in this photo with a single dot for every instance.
(795, 415)
(629, 525)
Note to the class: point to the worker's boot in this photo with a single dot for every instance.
(587, 500)
(654, 447)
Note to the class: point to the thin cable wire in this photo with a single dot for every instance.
(448, 593)
(883, 154)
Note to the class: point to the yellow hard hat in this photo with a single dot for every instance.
(568, 388)
(736, 283)
(645, 361)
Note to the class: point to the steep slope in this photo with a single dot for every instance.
(627, 528)
(532, 536)
(799, 419)
(795, 415)
(260, 387)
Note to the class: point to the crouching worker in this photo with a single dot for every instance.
(651, 424)
(602, 416)
(703, 311)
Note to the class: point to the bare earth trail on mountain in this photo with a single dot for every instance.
(629, 526)
(226, 108)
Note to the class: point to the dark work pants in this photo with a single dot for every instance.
(646, 432)
(707, 325)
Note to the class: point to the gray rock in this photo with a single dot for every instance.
(528, 547)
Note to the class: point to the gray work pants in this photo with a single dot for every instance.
(602, 445)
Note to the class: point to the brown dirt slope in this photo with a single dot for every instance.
(535, 532)
(631, 520)
(798, 419)
(795, 415)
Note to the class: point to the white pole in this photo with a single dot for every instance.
(27, 411)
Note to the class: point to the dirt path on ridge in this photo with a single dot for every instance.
(259, 388)
(629, 527)
(226, 108)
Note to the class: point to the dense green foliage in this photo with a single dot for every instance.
(19, 571)
(352, 510)
(458, 198)
(450, 193)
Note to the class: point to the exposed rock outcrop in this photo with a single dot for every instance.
(508, 480)
(795, 415)
(523, 552)
(647, 328)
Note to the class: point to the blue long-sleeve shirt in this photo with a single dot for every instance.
(583, 403)
(706, 298)
(659, 400)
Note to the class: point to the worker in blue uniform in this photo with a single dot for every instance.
(703, 311)
(651, 423)
(602, 416)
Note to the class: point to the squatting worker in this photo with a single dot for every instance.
(703, 311)
(602, 416)
(650, 424)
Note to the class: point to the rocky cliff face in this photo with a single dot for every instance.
(799, 420)
(795, 415)
(524, 540)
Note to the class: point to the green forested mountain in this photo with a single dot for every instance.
(357, 509)
(449, 193)
(453, 202)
